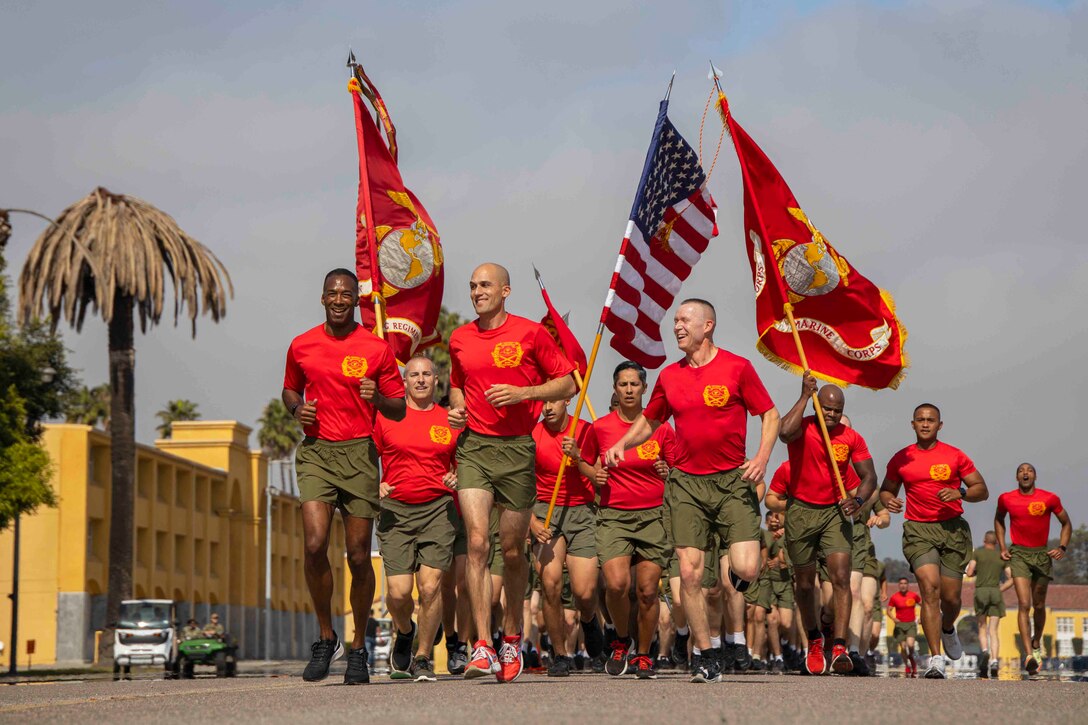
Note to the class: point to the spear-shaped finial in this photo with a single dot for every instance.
(668, 91)
(536, 273)
(714, 74)
(351, 58)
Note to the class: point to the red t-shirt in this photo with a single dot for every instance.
(416, 453)
(780, 481)
(575, 489)
(633, 484)
(328, 369)
(904, 605)
(812, 479)
(518, 352)
(924, 473)
(708, 405)
(1029, 516)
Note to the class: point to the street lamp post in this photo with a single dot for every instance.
(47, 373)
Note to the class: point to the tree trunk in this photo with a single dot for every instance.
(122, 455)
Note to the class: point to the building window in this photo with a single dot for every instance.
(162, 550)
(183, 490)
(213, 559)
(143, 546)
(1064, 626)
(182, 563)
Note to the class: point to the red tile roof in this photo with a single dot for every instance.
(1059, 596)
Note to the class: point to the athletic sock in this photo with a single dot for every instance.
(738, 638)
(682, 631)
(715, 642)
(729, 638)
(695, 651)
(948, 631)
(838, 641)
(814, 634)
(741, 585)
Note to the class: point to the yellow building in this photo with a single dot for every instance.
(199, 539)
(1066, 621)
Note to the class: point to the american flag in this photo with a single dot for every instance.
(672, 221)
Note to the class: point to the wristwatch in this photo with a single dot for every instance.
(294, 408)
(1062, 547)
(963, 491)
(859, 500)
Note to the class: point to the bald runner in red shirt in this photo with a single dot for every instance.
(503, 367)
(709, 394)
(818, 523)
(936, 538)
(338, 377)
(1030, 509)
(418, 522)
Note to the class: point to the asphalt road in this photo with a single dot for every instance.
(584, 698)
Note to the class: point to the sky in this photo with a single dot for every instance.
(939, 145)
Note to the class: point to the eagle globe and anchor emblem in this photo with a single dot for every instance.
(408, 256)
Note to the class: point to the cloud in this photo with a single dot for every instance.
(939, 145)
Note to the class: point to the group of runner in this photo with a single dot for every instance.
(645, 511)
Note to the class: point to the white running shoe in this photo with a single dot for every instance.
(935, 671)
(951, 644)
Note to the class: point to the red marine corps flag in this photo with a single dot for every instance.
(848, 325)
(398, 257)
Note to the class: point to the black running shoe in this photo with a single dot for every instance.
(984, 665)
(861, 667)
(422, 670)
(322, 654)
(777, 667)
(357, 673)
(742, 661)
(758, 666)
(594, 637)
(663, 664)
(616, 664)
(560, 666)
(644, 667)
(727, 657)
(400, 658)
(705, 668)
(456, 657)
(597, 664)
(680, 651)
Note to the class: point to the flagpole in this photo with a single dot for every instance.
(577, 375)
(582, 394)
(371, 234)
(787, 308)
(816, 402)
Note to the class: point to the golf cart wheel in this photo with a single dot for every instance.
(187, 668)
(221, 664)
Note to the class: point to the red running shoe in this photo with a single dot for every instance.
(510, 662)
(815, 662)
(841, 664)
(644, 667)
(484, 662)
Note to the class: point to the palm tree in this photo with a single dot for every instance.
(89, 406)
(439, 353)
(174, 411)
(279, 432)
(112, 253)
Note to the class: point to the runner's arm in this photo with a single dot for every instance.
(999, 531)
(866, 471)
(1007, 584)
(774, 502)
(970, 570)
(976, 487)
(560, 388)
(1064, 537)
(457, 414)
(791, 421)
(639, 432)
(756, 468)
(889, 495)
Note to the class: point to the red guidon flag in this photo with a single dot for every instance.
(397, 252)
(554, 323)
(847, 325)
